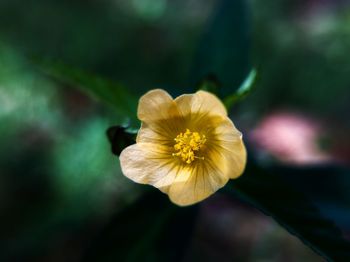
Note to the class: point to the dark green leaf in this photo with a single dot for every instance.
(117, 96)
(271, 194)
(152, 229)
(120, 137)
(225, 46)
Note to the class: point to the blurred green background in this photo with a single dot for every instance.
(62, 194)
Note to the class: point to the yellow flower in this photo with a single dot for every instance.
(187, 147)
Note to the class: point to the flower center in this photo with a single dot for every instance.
(187, 144)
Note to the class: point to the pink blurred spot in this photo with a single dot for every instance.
(291, 138)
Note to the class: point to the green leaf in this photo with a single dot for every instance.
(120, 137)
(293, 210)
(148, 230)
(245, 88)
(114, 94)
(225, 47)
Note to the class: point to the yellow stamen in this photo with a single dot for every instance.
(187, 144)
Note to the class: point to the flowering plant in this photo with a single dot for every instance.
(187, 147)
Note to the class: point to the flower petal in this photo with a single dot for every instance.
(160, 132)
(228, 145)
(147, 163)
(156, 105)
(194, 183)
(200, 102)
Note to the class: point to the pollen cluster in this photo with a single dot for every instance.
(187, 144)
